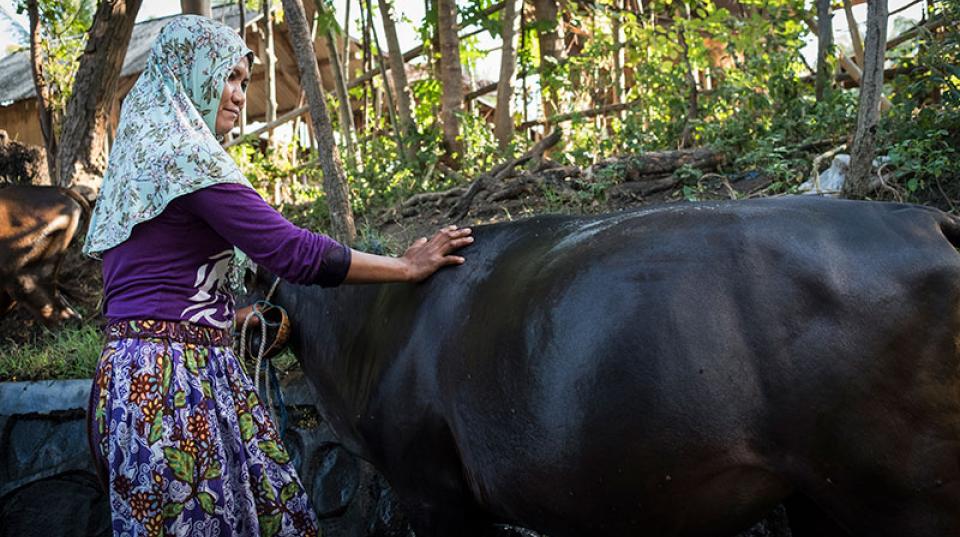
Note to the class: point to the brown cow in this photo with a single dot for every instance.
(37, 223)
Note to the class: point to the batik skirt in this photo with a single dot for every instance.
(182, 441)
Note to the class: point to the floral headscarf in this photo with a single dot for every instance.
(165, 145)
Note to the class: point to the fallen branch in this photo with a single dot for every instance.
(500, 172)
(658, 163)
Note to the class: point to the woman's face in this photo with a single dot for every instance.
(233, 98)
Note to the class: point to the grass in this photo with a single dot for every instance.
(68, 353)
(72, 353)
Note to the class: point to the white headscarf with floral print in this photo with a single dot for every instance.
(166, 144)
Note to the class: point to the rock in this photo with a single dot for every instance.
(66, 505)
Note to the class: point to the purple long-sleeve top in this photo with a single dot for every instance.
(174, 266)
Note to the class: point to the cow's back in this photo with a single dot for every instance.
(674, 364)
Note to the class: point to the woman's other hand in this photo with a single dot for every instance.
(426, 256)
(240, 316)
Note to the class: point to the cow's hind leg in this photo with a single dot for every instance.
(41, 299)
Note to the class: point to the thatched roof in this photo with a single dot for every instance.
(16, 80)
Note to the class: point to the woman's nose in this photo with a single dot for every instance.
(239, 98)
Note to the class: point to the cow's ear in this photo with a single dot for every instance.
(250, 275)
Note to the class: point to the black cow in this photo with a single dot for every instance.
(672, 371)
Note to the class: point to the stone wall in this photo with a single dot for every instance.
(48, 486)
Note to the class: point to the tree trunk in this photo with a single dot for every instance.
(618, 55)
(340, 87)
(270, 64)
(503, 118)
(693, 99)
(824, 42)
(399, 74)
(551, 51)
(381, 65)
(345, 47)
(334, 181)
(868, 113)
(367, 66)
(44, 108)
(82, 154)
(195, 7)
(451, 77)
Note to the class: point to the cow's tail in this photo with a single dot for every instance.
(85, 210)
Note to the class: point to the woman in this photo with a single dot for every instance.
(177, 431)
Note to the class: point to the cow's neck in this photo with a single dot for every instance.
(334, 351)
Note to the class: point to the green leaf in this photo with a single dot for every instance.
(269, 524)
(252, 400)
(180, 462)
(167, 372)
(267, 489)
(207, 389)
(289, 491)
(207, 503)
(180, 399)
(213, 471)
(190, 359)
(247, 427)
(172, 510)
(273, 450)
(156, 428)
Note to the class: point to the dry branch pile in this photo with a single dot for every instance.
(522, 183)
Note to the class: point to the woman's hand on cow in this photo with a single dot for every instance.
(423, 258)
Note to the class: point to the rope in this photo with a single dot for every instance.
(258, 359)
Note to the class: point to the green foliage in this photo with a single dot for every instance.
(69, 353)
(63, 26)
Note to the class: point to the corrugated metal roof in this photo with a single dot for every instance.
(16, 79)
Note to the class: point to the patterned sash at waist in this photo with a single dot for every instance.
(172, 330)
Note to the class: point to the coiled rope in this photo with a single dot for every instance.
(258, 359)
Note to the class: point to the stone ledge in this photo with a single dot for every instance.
(43, 396)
